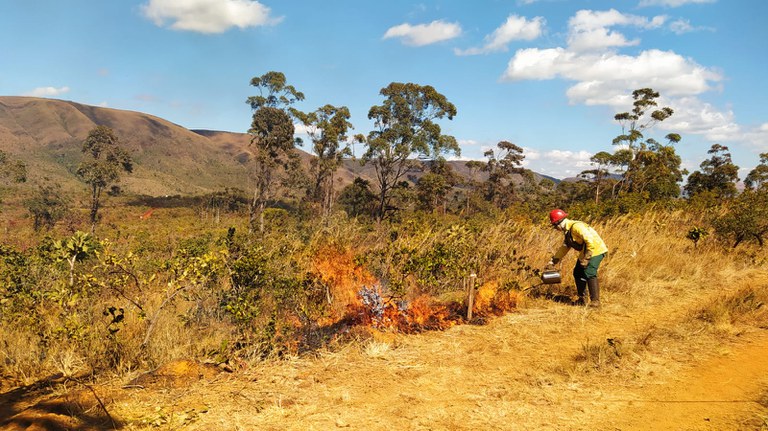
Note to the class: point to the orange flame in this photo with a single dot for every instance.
(147, 214)
(338, 270)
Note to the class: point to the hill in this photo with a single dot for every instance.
(169, 159)
(47, 134)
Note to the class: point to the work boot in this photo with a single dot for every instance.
(579, 301)
(594, 292)
(581, 288)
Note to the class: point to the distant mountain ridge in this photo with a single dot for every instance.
(47, 134)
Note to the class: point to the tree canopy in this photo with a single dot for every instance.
(406, 128)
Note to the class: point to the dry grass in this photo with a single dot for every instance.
(666, 308)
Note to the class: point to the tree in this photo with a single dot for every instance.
(47, 206)
(405, 127)
(501, 165)
(433, 187)
(757, 178)
(104, 161)
(272, 136)
(634, 123)
(658, 172)
(603, 160)
(357, 199)
(327, 128)
(744, 218)
(78, 247)
(718, 174)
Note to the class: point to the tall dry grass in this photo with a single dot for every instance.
(650, 265)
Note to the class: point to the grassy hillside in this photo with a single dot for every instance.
(169, 159)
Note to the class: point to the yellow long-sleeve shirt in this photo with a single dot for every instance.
(582, 234)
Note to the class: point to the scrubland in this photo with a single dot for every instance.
(186, 319)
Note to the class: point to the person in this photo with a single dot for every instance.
(592, 249)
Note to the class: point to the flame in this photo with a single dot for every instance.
(357, 298)
(491, 300)
(147, 214)
(343, 277)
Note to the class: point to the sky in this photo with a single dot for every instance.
(546, 75)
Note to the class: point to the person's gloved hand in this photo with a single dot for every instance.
(584, 262)
(554, 261)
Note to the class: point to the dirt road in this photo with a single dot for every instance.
(540, 369)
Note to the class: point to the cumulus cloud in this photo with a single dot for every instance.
(424, 34)
(693, 116)
(208, 16)
(671, 3)
(590, 30)
(47, 91)
(601, 78)
(515, 28)
(557, 163)
(757, 138)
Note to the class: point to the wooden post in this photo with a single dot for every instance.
(471, 295)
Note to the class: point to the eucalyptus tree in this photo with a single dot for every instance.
(103, 163)
(643, 116)
(718, 174)
(357, 199)
(327, 128)
(658, 169)
(433, 188)
(272, 132)
(758, 177)
(602, 162)
(406, 128)
(501, 165)
(471, 183)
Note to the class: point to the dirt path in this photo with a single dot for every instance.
(728, 392)
(519, 372)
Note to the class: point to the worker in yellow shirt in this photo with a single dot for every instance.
(584, 239)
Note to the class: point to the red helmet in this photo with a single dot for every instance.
(556, 216)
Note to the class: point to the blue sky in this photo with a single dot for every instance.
(547, 75)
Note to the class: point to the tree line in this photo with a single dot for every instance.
(407, 150)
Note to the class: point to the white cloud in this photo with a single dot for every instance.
(682, 26)
(424, 34)
(603, 77)
(590, 30)
(515, 28)
(47, 91)
(671, 3)
(208, 16)
(692, 116)
(557, 163)
(757, 138)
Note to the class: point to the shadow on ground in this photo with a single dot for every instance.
(53, 404)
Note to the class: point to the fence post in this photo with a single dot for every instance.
(471, 295)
